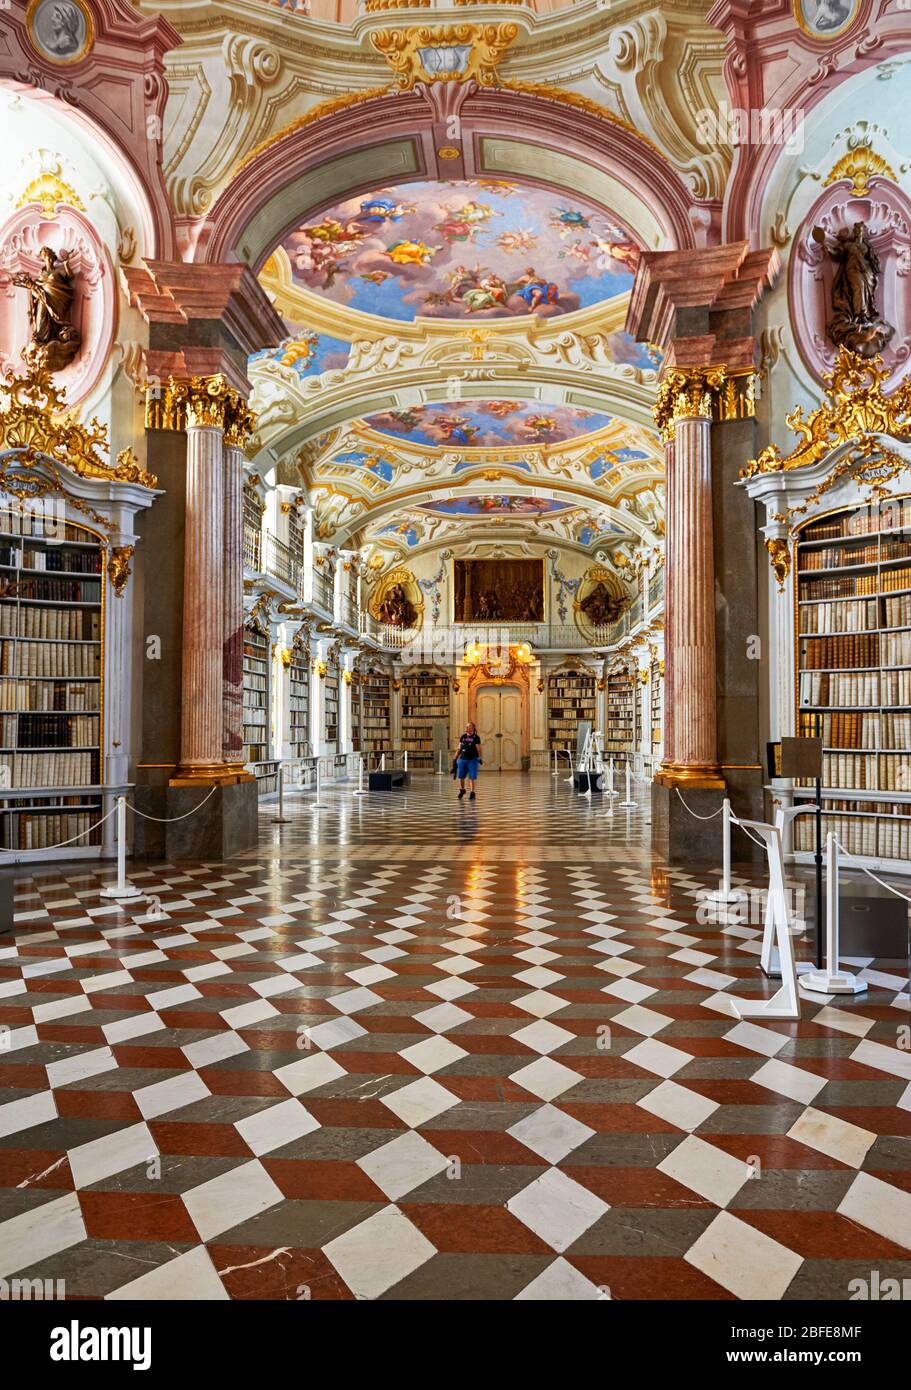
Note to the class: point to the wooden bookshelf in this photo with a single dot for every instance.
(656, 707)
(256, 696)
(425, 702)
(620, 731)
(570, 698)
(330, 709)
(375, 713)
(51, 681)
(355, 693)
(299, 704)
(853, 668)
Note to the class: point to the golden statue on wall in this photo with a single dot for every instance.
(54, 341)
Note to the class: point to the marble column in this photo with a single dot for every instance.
(204, 401)
(233, 591)
(690, 748)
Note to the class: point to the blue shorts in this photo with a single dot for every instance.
(464, 768)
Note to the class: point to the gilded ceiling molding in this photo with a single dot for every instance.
(49, 191)
(858, 166)
(404, 50)
(856, 410)
(32, 421)
(549, 92)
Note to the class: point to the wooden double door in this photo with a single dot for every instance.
(500, 724)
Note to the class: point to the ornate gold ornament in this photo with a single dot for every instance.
(445, 52)
(449, 152)
(346, 677)
(49, 190)
(693, 393)
(320, 668)
(779, 558)
(316, 113)
(856, 410)
(32, 421)
(858, 167)
(119, 567)
(199, 401)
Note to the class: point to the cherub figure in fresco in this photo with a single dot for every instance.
(566, 220)
(456, 428)
(540, 426)
(487, 294)
(501, 409)
(330, 230)
(454, 228)
(378, 210)
(623, 252)
(535, 290)
(410, 253)
(518, 240)
(501, 186)
(578, 251)
(376, 277)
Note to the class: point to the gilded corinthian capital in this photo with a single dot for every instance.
(687, 393)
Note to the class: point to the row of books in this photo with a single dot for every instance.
(875, 837)
(847, 652)
(49, 769)
(857, 615)
(845, 586)
(895, 688)
(896, 648)
(897, 611)
(895, 579)
(51, 559)
(850, 730)
(40, 521)
(889, 515)
(48, 730)
(46, 590)
(49, 659)
(895, 550)
(20, 694)
(858, 689)
(25, 830)
(894, 773)
(66, 624)
(838, 556)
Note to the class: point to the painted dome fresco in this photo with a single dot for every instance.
(472, 249)
(487, 424)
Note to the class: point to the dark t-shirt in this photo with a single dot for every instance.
(469, 747)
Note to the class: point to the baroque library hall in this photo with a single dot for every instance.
(455, 664)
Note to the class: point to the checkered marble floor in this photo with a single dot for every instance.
(418, 1049)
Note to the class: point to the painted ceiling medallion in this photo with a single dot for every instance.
(497, 506)
(825, 19)
(61, 31)
(471, 249)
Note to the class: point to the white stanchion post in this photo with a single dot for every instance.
(725, 893)
(281, 818)
(611, 784)
(360, 776)
(405, 761)
(628, 804)
(318, 805)
(831, 980)
(440, 768)
(382, 762)
(569, 758)
(122, 889)
(556, 768)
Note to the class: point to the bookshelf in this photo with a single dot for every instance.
(51, 681)
(256, 696)
(655, 707)
(299, 703)
(620, 706)
(853, 667)
(425, 702)
(330, 708)
(375, 713)
(571, 698)
(355, 693)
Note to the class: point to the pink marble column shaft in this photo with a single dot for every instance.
(233, 613)
(202, 713)
(690, 702)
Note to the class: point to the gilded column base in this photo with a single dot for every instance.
(705, 778)
(209, 774)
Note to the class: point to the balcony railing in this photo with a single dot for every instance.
(323, 590)
(253, 549)
(349, 612)
(281, 562)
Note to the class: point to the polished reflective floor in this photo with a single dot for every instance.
(419, 1048)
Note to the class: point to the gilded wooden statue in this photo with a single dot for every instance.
(855, 322)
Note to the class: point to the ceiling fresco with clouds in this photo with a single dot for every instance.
(475, 249)
(486, 424)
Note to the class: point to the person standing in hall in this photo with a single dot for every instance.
(469, 760)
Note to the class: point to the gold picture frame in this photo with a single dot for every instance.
(825, 21)
(60, 31)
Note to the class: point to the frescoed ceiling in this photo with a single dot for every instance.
(476, 248)
(494, 505)
(486, 424)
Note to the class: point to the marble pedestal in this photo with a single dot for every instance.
(682, 839)
(227, 824)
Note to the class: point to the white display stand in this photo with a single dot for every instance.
(768, 960)
(831, 980)
(785, 1003)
